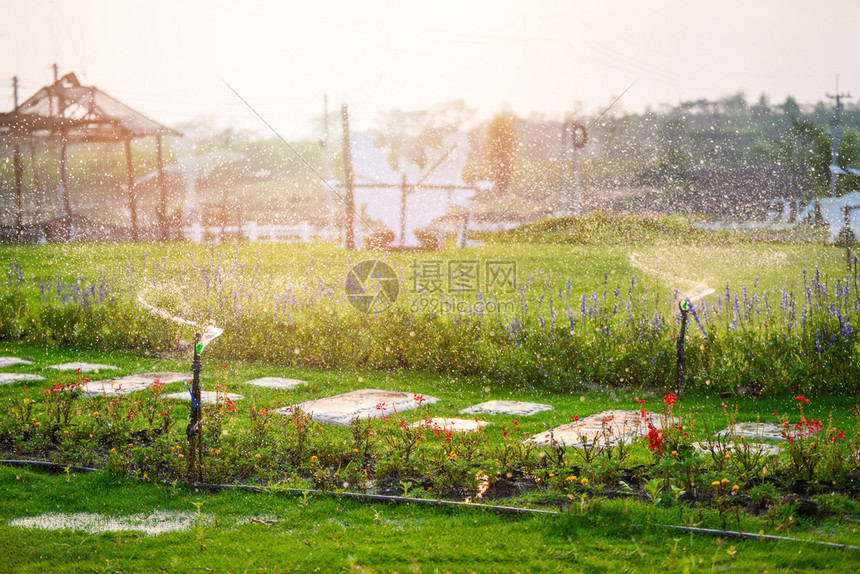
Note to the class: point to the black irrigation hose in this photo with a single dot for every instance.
(52, 466)
(379, 498)
(755, 536)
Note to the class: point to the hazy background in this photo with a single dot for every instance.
(170, 59)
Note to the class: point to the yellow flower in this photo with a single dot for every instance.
(728, 456)
(314, 458)
(181, 455)
(674, 453)
(736, 488)
(257, 455)
(571, 478)
(130, 445)
(715, 484)
(552, 474)
(584, 482)
(725, 481)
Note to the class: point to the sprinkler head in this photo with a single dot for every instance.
(684, 305)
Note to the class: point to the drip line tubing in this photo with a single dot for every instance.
(52, 466)
(755, 536)
(378, 498)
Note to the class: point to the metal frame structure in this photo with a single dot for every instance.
(68, 113)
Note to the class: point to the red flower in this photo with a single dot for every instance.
(574, 418)
(418, 399)
(840, 435)
(670, 399)
(380, 406)
(640, 401)
(655, 441)
(801, 398)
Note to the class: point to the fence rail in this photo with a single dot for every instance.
(304, 232)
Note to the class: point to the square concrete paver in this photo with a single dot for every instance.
(510, 408)
(130, 383)
(342, 409)
(609, 427)
(15, 377)
(9, 361)
(455, 425)
(209, 397)
(276, 383)
(756, 431)
(84, 367)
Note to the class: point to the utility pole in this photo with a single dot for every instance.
(347, 167)
(325, 138)
(835, 136)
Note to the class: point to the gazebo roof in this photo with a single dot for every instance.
(80, 114)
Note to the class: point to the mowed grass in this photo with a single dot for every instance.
(280, 532)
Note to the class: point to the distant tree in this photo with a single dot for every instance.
(410, 135)
(849, 156)
(790, 107)
(806, 149)
(500, 150)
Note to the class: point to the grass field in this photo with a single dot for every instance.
(590, 325)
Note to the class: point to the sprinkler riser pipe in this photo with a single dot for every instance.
(681, 355)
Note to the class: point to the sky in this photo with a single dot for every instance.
(186, 60)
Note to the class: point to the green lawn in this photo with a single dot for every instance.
(246, 532)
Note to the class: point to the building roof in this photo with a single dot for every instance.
(80, 114)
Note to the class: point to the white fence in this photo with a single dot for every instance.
(304, 232)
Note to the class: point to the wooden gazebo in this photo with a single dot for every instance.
(69, 113)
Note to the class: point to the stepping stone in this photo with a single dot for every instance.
(760, 447)
(757, 431)
(276, 383)
(510, 408)
(84, 367)
(341, 410)
(208, 397)
(610, 427)
(9, 361)
(455, 425)
(130, 383)
(15, 377)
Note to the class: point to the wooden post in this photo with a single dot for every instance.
(132, 194)
(403, 191)
(162, 189)
(350, 195)
(64, 188)
(19, 173)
